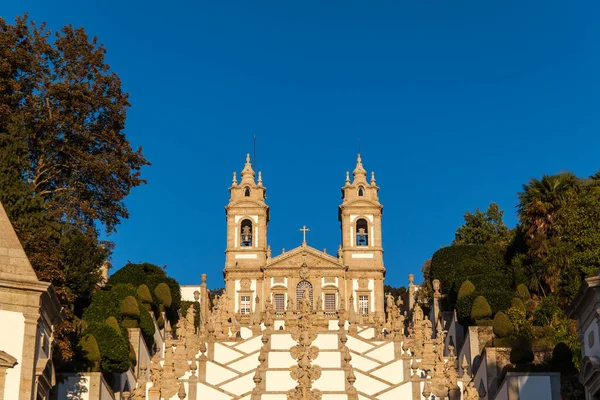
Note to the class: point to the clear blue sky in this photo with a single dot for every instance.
(456, 104)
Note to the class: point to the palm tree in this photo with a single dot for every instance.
(540, 200)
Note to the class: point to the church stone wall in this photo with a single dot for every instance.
(11, 341)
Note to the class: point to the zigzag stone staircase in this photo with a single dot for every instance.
(231, 368)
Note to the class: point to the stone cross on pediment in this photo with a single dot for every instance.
(304, 229)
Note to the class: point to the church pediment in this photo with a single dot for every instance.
(294, 259)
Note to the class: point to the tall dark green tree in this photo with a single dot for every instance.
(66, 165)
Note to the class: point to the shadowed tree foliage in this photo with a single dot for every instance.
(65, 163)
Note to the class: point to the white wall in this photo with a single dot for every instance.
(187, 292)
(535, 387)
(74, 387)
(11, 341)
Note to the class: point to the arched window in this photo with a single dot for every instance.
(362, 232)
(302, 286)
(246, 233)
(247, 191)
(361, 191)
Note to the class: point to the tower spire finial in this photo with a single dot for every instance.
(359, 171)
(248, 172)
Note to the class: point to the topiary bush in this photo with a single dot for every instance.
(518, 303)
(523, 292)
(113, 323)
(466, 289)
(129, 308)
(502, 326)
(463, 309)
(453, 264)
(163, 294)
(481, 309)
(498, 299)
(521, 352)
(144, 295)
(114, 348)
(89, 347)
(483, 266)
(562, 359)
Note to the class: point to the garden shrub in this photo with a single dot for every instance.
(147, 327)
(129, 308)
(520, 323)
(521, 352)
(498, 299)
(523, 292)
(453, 264)
(562, 359)
(114, 348)
(163, 294)
(466, 289)
(482, 266)
(518, 303)
(89, 347)
(463, 309)
(481, 309)
(113, 323)
(546, 311)
(502, 326)
(144, 295)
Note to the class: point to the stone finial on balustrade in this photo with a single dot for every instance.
(181, 392)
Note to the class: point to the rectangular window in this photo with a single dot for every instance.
(245, 305)
(363, 304)
(329, 301)
(279, 301)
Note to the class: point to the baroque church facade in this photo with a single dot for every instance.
(351, 278)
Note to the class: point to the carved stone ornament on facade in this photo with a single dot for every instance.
(363, 283)
(245, 284)
(304, 353)
(304, 272)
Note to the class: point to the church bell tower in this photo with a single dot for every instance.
(246, 252)
(361, 250)
(247, 219)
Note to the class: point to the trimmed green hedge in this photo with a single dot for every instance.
(523, 292)
(466, 289)
(481, 309)
(89, 347)
(150, 275)
(143, 293)
(483, 266)
(502, 325)
(106, 309)
(163, 294)
(130, 308)
(518, 303)
(114, 348)
(113, 323)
